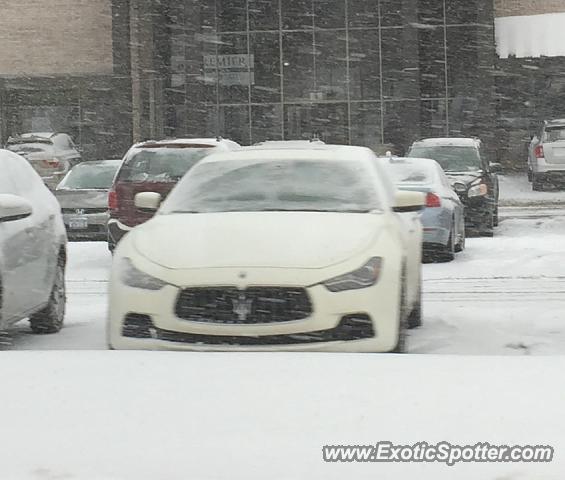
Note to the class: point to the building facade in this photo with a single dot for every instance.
(379, 73)
(64, 67)
(369, 72)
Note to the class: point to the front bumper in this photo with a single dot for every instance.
(327, 328)
(478, 209)
(116, 231)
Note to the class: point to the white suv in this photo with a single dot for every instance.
(546, 159)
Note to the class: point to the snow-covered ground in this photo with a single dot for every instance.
(172, 416)
(515, 190)
(87, 277)
(102, 415)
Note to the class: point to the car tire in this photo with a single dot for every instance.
(461, 244)
(401, 342)
(51, 318)
(530, 175)
(486, 228)
(495, 220)
(448, 253)
(415, 317)
(537, 184)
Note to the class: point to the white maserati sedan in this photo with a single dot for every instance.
(272, 249)
(32, 249)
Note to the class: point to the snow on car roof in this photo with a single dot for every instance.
(98, 163)
(448, 142)
(38, 134)
(289, 144)
(321, 152)
(555, 123)
(188, 142)
(427, 162)
(412, 169)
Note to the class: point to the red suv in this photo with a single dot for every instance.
(153, 167)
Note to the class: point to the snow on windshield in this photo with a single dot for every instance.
(160, 164)
(30, 147)
(451, 158)
(90, 176)
(269, 185)
(411, 172)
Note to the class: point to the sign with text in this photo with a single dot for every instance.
(230, 70)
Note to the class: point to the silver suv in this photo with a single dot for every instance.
(546, 158)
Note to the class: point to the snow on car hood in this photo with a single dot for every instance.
(82, 198)
(261, 239)
(466, 177)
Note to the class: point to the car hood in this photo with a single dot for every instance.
(463, 177)
(261, 239)
(82, 198)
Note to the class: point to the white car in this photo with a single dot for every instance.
(32, 249)
(272, 250)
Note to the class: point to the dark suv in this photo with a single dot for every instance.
(153, 167)
(471, 175)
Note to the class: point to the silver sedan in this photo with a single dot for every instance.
(444, 217)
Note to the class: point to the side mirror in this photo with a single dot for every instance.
(14, 208)
(147, 201)
(406, 201)
(495, 167)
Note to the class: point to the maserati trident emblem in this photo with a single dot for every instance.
(242, 307)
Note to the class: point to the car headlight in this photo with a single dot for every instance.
(479, 190)
(363, 277)
(459, 187)
(133, 277)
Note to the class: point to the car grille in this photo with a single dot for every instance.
(256, 305)
(350, 328)
(83, 211)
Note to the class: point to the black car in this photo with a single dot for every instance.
(471, 175)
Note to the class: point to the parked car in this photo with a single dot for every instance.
(546, 159)
(153, 167)
(272, 250)
(275, 144)
(444, 216)
(471, 175)
(52, 155)
(32, 249)
(83, 196)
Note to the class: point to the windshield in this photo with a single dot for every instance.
(450, 158)
(160, 164)
(555, 134)
(410, 173)
(250, 186)
(97, 176)
(23, 148)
